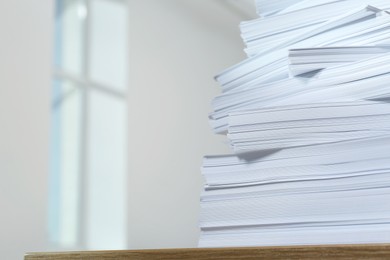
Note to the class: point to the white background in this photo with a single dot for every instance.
(176, 47)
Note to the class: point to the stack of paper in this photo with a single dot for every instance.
(366, 25)
(307, 124)
(347, 81)
(328, 194)
(302, 61)
(307, 115)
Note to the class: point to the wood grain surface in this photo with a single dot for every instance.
(381, 251)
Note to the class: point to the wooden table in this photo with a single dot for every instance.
(381, 251)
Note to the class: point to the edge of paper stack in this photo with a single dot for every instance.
(307, 116)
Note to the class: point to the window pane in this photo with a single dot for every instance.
(108, 52)
(107, 143)
(70, 31)
(65, 166)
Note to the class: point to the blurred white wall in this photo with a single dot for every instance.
(25, 69)
(176, 48)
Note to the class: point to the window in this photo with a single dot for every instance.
(87, 207)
